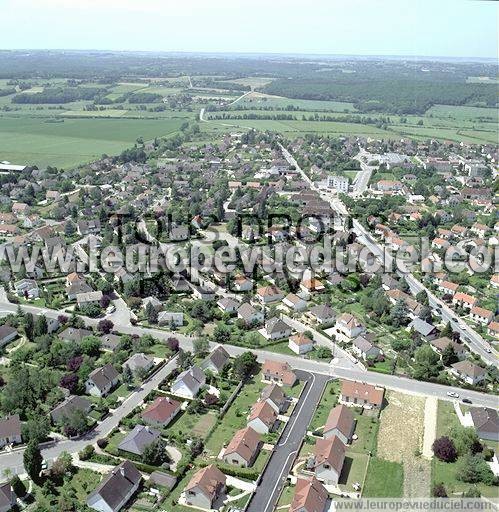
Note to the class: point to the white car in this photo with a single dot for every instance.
(111, 309)
(452, 394)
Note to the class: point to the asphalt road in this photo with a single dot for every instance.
(285, 452)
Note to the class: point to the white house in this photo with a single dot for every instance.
(300, 344)
(189, 382)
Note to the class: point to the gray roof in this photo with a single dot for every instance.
(6, 331)
(323, 311)
(424, 328)
(7, 496)
(137, 361)
(218, 358)
(273, 392)
(110, 341)
(363, 344)
(10, 426)
(101, 377)
(72, 334)
(246, 310)
(276, 325)
(72, 403)
(137, 440)
(163, 479)
(485, 420)
(117, 485)
(193, 378)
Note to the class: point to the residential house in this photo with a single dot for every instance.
(348, 326)
(340, 423)
(276, 329)
(275, 397)
(71, 404)
(464, 300)
(294, 302)
(206, 487)
(102, 380)
(312, 285)
(493, 329)
(486, 423)
(228, 305)
(281, 373)
(322, 314)
(310, 496)
(138, 439)
(216, 360)
(87, 298)
(469, 372)
(359, 394)
(440, 344)
(88, 227)
(481, 315)
(422, 327)
(269, 294)
(7, 334)
(161, 412)
(189, 382)
(262, 418)
(249, 315)
(10, 430)
(154, 301)
(71, 334)
(139, 362)
(328, 459)
(494, 281)
(8, 498)
(171, 318)
(110, 342)
(27, 288)
(116, 489)
(242, 283)
(300, 344)
(363, 347)
(448, 288)
(243, 448)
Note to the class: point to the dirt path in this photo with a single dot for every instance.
(430, 425)
(400, 439)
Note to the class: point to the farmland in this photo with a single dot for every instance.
(74, 141)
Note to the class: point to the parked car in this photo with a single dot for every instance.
(452, 394)
(467, 401)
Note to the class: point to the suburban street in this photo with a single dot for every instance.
(285, 452)
(476, 343)
(361, 181)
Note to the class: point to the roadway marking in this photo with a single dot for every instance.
(279, 480)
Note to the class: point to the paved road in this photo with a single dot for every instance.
(14, 460)
(285, 452)
(476, 343)
(362, 178)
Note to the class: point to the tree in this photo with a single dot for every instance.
(155, 453)
(444, 449)
(184, 359)
(221, 334)
(104, 301)
(18, 486)
(449, 355)
(29, 326)
(446, 331)
(427, 363)
(32, 459)
(90, 346)
(425, 314)
(105, 326)
(245, 366)
(472, 492)
(399, 314)
(75, 422)
(62, 466)
(69, 382)
(323, 352)
(126, 375)
(201, 346)
(473, 469)
(172, 344)
(40, 327)
(439, 491)
(210, 399)
(422, 298)
(151, 314)
(37, 428)
(465, 440)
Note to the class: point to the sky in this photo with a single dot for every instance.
(449, 28)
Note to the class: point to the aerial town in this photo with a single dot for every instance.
(253, 312)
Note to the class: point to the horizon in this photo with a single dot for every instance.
(450, 29)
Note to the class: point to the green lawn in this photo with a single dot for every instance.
(366, 429)
(354, 470)
(25, 140)
(328, 401)
(384, 479)
(236, 416)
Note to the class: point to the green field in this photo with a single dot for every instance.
(74, 141)
(259, 101)
(385, 479)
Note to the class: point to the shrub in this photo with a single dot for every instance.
(439, 491)
(87, 452)
(444, 449)
(102, 443)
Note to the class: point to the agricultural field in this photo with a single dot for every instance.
(72, 142)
